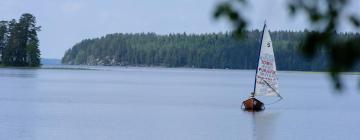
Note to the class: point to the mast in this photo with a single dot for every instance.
(262, 37)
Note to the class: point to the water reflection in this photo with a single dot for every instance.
(18, 73)
(156, 104)
(263, 125)
(17, 114)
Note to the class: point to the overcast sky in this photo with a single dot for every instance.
(66, 22)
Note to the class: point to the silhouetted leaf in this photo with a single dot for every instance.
(355, 21)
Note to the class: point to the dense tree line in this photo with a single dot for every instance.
(19, 44)
(214, 50)
(324, 16)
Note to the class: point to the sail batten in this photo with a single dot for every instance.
(266, 80)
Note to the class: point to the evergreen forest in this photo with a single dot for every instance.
(211, 50)
(19, 44)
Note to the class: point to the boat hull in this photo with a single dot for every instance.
(253, 104)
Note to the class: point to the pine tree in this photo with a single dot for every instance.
(19, 42)
(4, 35)
(29, 39)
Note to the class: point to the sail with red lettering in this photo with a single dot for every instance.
(266, 80)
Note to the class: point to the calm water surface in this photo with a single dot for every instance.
(114, 103)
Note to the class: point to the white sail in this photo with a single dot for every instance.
(266, 80)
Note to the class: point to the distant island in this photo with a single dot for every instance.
(212, 50)
(19, 44)
(50, 61)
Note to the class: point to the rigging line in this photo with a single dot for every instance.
(277, 93)
(280, 98)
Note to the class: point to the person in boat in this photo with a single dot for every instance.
(252, 94)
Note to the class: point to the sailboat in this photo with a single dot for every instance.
(266, 80)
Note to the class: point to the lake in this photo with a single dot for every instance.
(130, 103)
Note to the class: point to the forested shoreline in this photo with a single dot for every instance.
(212, 50)
(19, 43)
